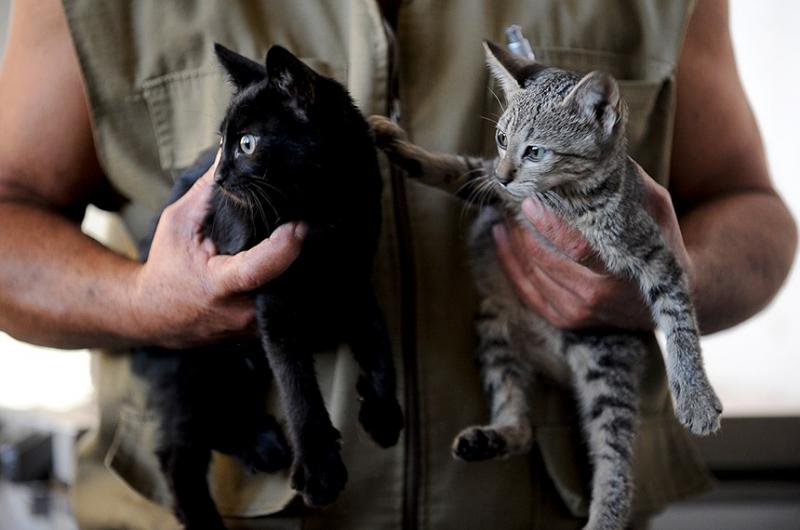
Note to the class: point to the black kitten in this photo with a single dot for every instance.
(294, 148)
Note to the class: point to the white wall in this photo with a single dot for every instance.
(755, 366)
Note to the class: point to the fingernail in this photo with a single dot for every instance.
(300, 231)
(532, 208)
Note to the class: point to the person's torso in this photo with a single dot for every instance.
(157, 95)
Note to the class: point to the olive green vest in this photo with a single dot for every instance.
(157, 94)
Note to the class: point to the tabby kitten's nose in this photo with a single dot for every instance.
(505, 173)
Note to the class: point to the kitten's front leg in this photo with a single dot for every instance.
(666, 292)
(318, 472)
(463, 176)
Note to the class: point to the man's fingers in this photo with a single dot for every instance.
(531, 249)
(563, 237)
(253, 268)
(516, 273)
(193, 205)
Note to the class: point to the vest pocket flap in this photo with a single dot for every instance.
(640, 97)
(237, 492)
(666, 467)
(186, 108)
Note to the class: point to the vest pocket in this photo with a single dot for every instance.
(186, 108)
(666, 465)
(131, 455)
(237, 492)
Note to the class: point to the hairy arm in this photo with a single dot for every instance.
(60, 288)
(729, 228)
(737, 230)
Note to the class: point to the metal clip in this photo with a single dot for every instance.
(518, 44)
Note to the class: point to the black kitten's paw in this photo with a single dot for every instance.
(269, 453)
(381, 417)
(321, 478)
(474, 444)
(386, 132)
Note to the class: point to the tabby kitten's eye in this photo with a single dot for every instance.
(247, 143)
(534, 152)
(502, 141)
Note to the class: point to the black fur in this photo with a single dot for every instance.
(314, 161)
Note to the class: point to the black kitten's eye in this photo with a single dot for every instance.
(534, 152)
(247, 143)
(502, 141)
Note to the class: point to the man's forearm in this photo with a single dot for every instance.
(741, 246)
(58, 287)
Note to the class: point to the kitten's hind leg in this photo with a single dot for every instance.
(505, 377)
(380, 413)
(186, 467)
(605, 372)
(470, 178)
(268, 450)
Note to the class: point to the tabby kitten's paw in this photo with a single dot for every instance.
(321, 477)
(380, 416)
(474, 444)
(697, 407)
(385, 130)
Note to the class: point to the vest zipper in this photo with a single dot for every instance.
(408, 345)
(408, 296)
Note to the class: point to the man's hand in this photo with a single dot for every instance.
(186, 293)
(556, 273)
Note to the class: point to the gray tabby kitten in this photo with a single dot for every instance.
(562, 140)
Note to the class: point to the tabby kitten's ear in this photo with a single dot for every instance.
(289, 75)
(509, 69)
(243, 72)
(597, 97)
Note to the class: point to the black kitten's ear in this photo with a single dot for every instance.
(242, 71)
(597, 97)
(510, 69)
(289, 75)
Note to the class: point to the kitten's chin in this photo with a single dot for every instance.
(226, 193)
(521, 191)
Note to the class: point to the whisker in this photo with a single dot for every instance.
(262, 193)
(498, 99)
(479, 184)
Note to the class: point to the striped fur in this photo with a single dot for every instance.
(588, 179)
